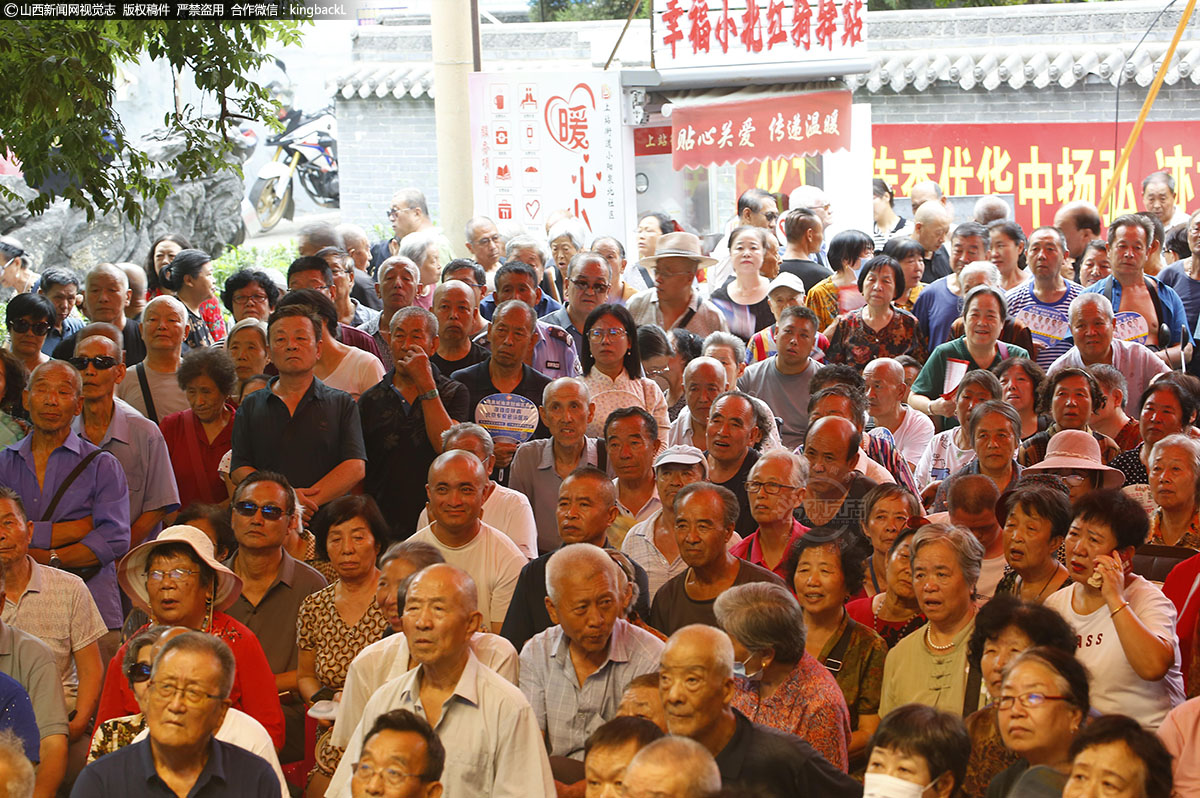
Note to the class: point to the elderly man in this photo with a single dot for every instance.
(471, 273)
(574, 673)
(1080, 224)
(697, 688)
(539, 466)
(775, 488)
(358, 247)
(136, 274)
(471, 707)
(408, 213)
(396, 286)
(586, 288)
(485, 244)
(297, 426)
(87, 530)
(931, 223)
(105, 294)
(456, 304)
(153, 389)
(404, 417)
(631, 440)
(782, 381)
(1131, 242)
(273, 587)
(1158, 198)
(839, 398)
(814, 200)
(835, 489)
(990, 208)
(941, 302)
(1093, 329)
(650, 543)
(805, 237)
(613, 251)
(457, 488)
(734, 434)
(610, 749)
(117, 428)
(705, 515)
(672, 767)
(886, 391)
(186, 702)
(399, 742)
(1042, 303)
(55, 607)
(704, 379)
(674, 302)
(554, 352)
(60, 286)
(349, 310)
(586, 507)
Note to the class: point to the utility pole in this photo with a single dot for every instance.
(454, 36)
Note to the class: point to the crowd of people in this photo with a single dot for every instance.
(912, 511)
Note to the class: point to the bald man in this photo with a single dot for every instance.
(696, 683)
(458, 486)
(358, 246)
(886, 391)
(925, 191)
(672, 767)
(152, 388)
(105, 295)
(456, 306)
(835, 489)
(704, 379)
(1080, 224)
(474, 710)
(931, 224)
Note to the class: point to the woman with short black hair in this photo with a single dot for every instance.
(919, 745)
(879, 328)
(190, 276)
(1114, 756)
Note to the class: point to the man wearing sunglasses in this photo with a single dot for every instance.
(586, 289)
(117, 428)
(105, 295)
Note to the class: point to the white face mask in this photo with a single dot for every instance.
(881, 785)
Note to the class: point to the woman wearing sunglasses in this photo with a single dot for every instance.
(119, 732)
(178, 581)
(29, 317)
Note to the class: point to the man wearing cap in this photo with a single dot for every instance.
(782, 381)
(784, 291)
(674, 302)
(805, 233)
(774, 488)
(651, 543)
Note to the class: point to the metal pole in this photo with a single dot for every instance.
(453, 59)
(475, 51)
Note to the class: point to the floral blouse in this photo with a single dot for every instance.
(114, 734)
(1190, 539)
(855, 343)
(988, 754)
(828, 301)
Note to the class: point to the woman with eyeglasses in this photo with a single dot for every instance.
(893, 614)
(201, 435)
(341, 620)
(177, 580)
(190, 276)
(743, 298)
(29, 318)
(612, 369)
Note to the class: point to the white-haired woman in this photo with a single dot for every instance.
(1174, 486)
(422, 248)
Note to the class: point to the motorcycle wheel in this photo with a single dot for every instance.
(269, 205)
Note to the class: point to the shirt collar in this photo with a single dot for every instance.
(35, 576)
(467, 688)
(6, 639)
(619, 646)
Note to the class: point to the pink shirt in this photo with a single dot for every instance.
(750, 550)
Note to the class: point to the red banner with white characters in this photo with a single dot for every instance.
(771, 127)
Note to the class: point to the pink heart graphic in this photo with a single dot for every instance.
(532, 207)
(569, 120)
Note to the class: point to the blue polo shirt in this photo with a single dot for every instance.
(231, 772)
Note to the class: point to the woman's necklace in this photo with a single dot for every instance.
(934, 646)
(1045, 584)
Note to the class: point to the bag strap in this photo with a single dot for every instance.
(66, 483)
(1003, 347)
(601, 455)
(147, 397)
(971, 697)
(683, 321)
(837, 656)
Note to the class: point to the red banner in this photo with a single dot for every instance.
(652, 140)
(771, 127)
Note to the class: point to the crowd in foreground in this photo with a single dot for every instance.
(898, 513)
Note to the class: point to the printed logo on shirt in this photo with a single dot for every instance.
(1087, 641)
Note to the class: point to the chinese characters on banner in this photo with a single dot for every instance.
(546, 142)
(772, 127)
(1042, 166)
(737, 32)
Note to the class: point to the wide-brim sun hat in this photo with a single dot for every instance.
(131, 571)
(1076, 449)
(678, 245)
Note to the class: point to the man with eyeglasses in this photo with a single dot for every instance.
(586, 289)
(273, 586)
(341, 267)
(674, 300)
(409, 213)
(117, 428)
(105, 295)
(486, 245)
(358, 246)
(60, 286)
(55, 607)
(775, 488)
(402, 757)
(187, 700)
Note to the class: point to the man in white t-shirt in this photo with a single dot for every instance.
(971, 502)
(910, 429)
(458, 486)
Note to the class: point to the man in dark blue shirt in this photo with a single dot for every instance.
(186, 701)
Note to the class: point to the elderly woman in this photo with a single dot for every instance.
(178, 581)
(1043, 701)
(910, 254)
(1125, 625)
(894, 613)
(878, 328)
(952, 449)
(249, 294)
(189, 275)
(29, 319)
(838, 293)
(886, 510)
(1021, 378)
(1006, 249)
(1115, 756)
(743, 299)
(993, 429)
(423, 248)
(780, 684)
(984, 314)
(1074, 456)
(1035, 518)
(917, 752)
(1069, 396)
(1004, 628)
(116, 733)
(247, 345)
(651, 226)
(13, 423)
(201, 435)
(612, 369)
(1175, 486)
(337, 622)
(1094, 265)
(826, 568)
(663, 364)
(930, 665)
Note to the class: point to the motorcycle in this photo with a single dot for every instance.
(307, 151)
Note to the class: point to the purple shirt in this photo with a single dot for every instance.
(100, 491)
